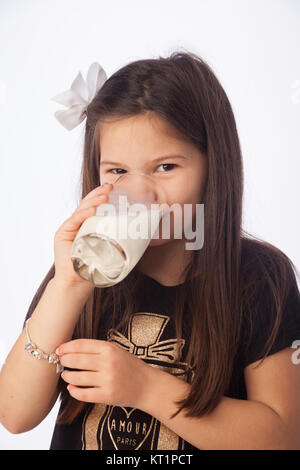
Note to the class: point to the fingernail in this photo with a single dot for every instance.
(57, 351)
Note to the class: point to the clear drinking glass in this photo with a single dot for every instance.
(109, 244)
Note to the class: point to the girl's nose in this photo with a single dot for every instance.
(142, 186)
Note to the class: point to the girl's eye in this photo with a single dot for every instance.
(167, 164)
(110, 171)
(163, 164)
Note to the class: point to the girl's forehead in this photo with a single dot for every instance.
(144, 129)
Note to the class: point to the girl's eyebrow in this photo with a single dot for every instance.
(163, 157)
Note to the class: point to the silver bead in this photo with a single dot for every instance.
(53, 358)
(30, 347)
(50, 358)
(37, 353)
(59, 368)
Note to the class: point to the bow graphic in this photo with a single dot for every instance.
(168, 350)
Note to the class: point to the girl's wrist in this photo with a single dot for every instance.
(78, 287)
(150, 379)
(162, 388)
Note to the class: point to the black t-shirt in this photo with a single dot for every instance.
(151, 336)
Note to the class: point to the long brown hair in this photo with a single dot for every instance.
(221, 278)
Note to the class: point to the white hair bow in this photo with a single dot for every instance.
(78, 97)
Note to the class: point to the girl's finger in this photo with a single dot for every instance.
(80, 361)
(83, 345)
(84, 378)
(93, 201)
(74, 222)
(86, 209)
(104, 189)
(89, 395)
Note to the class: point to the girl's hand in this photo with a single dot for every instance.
(66, 233)
(114, 376)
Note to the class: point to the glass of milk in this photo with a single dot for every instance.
(109, 244)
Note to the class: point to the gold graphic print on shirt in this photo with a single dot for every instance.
(130, 428)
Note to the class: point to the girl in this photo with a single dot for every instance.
(170, 357)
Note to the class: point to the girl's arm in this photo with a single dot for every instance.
(28, 386)
(269, 419)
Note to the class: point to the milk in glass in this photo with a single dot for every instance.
(109, 244)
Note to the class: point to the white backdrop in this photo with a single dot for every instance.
(252, 46)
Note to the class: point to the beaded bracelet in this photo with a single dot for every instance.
(38, 354)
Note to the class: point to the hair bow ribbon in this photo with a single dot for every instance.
(78, 97)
